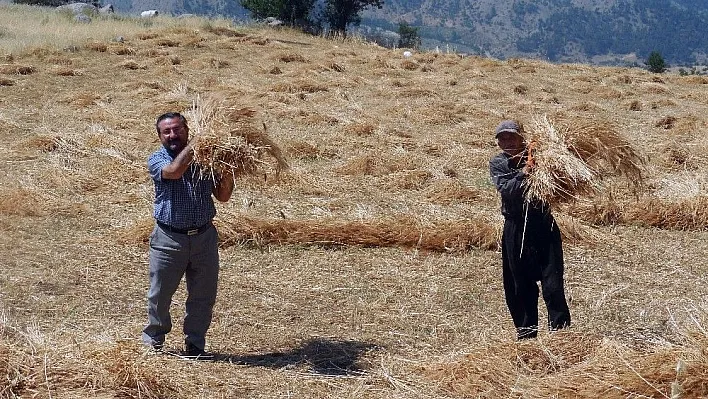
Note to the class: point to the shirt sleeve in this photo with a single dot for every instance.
(156, 162)
(509, 182)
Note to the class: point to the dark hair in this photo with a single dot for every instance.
(170, 115)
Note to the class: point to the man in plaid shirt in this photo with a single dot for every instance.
(184, 241)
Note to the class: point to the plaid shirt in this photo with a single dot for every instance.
(184, 203)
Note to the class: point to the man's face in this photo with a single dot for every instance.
(173, 134)
(511, 143)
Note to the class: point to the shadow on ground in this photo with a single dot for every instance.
(319, 355)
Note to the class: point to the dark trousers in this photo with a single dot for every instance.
(532, 251)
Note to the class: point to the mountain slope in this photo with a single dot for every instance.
(557, 30)
(593, 31)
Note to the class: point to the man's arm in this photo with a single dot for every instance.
(179, 165)
(509, 182)
(224, 187)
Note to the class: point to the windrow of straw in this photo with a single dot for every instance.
(229, 141)
(395, 232)
(400, 231)
(686, 214)
(572, 159)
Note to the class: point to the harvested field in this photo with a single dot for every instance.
(369, 268)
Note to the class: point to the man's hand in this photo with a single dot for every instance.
(530, 158)
(224, 186)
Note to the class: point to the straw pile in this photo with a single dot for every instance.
(568, 364)
(686, 214)
(29, 370)
(496, 370)
(229, 141)
(125, 370)
(572, 160)
(13, 371)
(394, 232)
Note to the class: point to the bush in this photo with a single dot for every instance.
(409, 37)
(655, 63)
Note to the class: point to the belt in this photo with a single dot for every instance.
(190, 232)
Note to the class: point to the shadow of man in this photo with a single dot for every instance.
(321, 355)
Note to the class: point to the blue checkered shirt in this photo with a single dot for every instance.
(184, 203)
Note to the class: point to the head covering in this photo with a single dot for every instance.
(508, 125)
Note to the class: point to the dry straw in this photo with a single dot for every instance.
(572, 159)
(573, 365)
(393, 232)
(121, 370)
(687, 214)
(228, 140)
(127, 372)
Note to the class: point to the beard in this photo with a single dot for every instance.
(175, 146)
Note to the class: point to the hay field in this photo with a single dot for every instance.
(369, 269)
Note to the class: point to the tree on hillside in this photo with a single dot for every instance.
(655, 63)
(291, 12)
(409, 37)
(340, 13)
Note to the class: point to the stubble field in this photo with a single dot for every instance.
(378, 145)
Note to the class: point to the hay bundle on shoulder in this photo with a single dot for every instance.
(573, 158)
(229, 141)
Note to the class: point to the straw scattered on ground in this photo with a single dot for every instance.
(368, 139)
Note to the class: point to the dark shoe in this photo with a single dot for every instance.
(193, 352)
(557, 327)
(155, 348)
(523, 333)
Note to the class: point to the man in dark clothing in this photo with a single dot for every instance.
(531, 242)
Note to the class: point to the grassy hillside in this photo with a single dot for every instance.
(382, 148)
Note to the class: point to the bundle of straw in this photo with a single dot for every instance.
(604, 150)
(571, 161)
(228, 141)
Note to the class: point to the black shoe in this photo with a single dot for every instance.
(523, 333)
(155, 348)
(193, 352)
